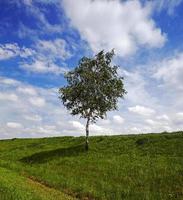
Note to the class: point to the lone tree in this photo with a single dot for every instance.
(93, 88)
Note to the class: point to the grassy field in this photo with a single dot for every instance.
(14, 186)
(138, 167)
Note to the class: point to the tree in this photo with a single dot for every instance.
(93, 88)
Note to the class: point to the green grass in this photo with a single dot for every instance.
(144, 167)
(14, 186)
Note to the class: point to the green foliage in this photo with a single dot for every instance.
(148, 167)
(93, 87)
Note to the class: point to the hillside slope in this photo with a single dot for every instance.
(116, 167)
(15, 186)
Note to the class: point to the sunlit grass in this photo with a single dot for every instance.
(116, 167)
(16, 187)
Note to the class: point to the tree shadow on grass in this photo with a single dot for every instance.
(45, 156)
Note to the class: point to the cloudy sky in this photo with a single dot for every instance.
(40, 40)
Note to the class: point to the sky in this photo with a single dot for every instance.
(40, 40)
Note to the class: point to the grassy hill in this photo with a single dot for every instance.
(144, 167)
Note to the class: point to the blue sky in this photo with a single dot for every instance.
(42, 39)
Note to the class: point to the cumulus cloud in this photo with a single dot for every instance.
(104, 25)
(141, 110)
(9, 50)
(163, 117)
(118, 119)
(136, 83)
(14, 125)
(8, 81)
(27, 90)
(33, 117)
(170, 71)
(77, 125)
(43, 67)
(180, 115)
(53, 48)
(152, 122)
(41, 58)
(29, 109)
(8, 96)
(41, 114)
(101, 130)
(49, 54)
(158, 126)
(37, 101)
(178, 118)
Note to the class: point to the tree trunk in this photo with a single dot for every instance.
(87, 134)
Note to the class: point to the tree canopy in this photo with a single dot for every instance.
(93, 88)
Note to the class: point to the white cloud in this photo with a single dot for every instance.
(8, 81)
(30, 111)
(26, 52)
(14, 125)
(100, 130)
(48, 1)
(135, 129)
(77, 125)
(33, 117)
(43, 66)
(105, 122)
(42, 131)
(118, 119)
(152, 122)
(37, 101)
(9, 50)
(8, 96)
(53, 48)
(141, 110)
(42, 114)
(39, 15)
(47, 56)
(104, 25)
(136, 83)
(168, 5)
(159, 125)
(163, 117)
(27, 90)
(170, 71)
(178, 118)
(41, 117)
(180, 115)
